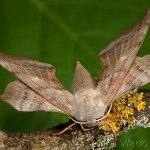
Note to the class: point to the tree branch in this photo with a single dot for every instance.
(73, 138)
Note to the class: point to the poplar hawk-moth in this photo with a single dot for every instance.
(38, 89)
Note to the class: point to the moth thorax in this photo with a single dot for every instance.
(89, 107)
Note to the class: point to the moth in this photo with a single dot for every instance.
(38, 89)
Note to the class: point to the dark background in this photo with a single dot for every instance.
(60, 32)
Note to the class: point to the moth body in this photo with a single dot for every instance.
(89, 105)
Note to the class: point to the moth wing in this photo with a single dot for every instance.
(138, 75)
(82, 80)
(23, 98)
(118, 57)
(40, 77)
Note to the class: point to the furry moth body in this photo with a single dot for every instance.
(38, 89)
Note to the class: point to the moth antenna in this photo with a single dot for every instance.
(77, 121)
(106, 113)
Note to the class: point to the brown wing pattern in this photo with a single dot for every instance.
(138, 75)
(118, 57)
(40, 77)
(22, 98)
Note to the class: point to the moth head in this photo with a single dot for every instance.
(90, 108)
(93, 122)
(96, 121)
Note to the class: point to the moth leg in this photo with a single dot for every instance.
(85, 129)
(64, 130)
(107, 123)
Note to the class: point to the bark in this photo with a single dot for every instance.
(74, 138)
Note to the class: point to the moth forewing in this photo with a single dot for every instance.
(118, 58)
(40, 78)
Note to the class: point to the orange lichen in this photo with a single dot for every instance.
(123, 110)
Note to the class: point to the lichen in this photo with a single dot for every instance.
(123, 110)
